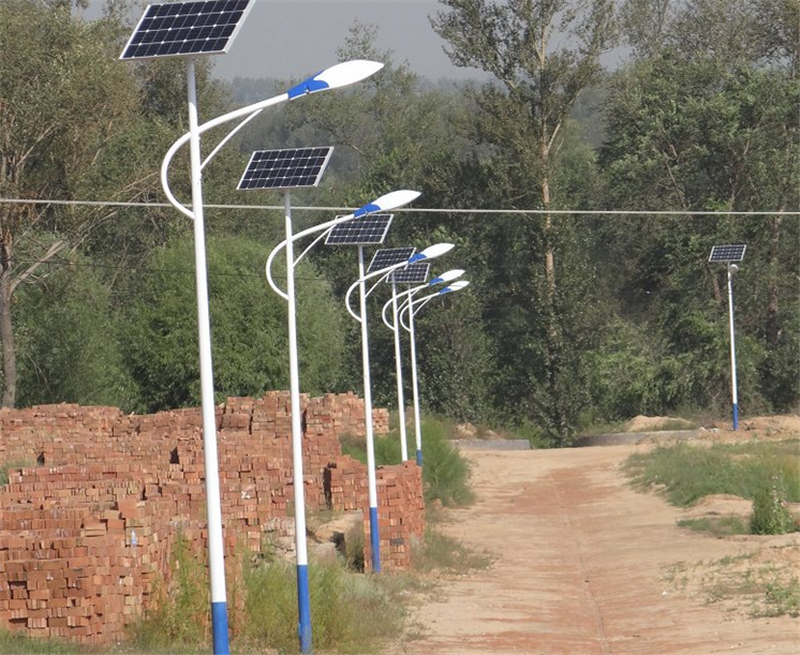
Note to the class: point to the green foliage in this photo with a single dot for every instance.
(351, 613)
(770, 514)
(445, 473)
(249, 334)
(179, 620)
(687, 473)
(67, 340)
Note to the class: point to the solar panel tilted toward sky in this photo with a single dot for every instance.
(389, 257)
(416, 273)
(732, 253)
(368, 230)
(285, 169)
(201, 27)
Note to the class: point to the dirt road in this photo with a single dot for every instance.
(584, 565)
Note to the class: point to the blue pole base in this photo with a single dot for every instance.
(219, 627)
(303, 609)
(735, 417)
(419, 458)
(375, 539)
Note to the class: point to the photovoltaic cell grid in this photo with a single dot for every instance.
(412, 274)
(732, 253)
(389, 257)
(366, 231)
(202, 27)
(285, 169)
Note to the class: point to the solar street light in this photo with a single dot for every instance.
(411, 274)
(383, 264)
(729, 255)
(407, 308)
(188, 30)
(285, 170)
(361, 215)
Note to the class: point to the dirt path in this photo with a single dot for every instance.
(584, 565)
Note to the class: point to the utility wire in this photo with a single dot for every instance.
(422, 210)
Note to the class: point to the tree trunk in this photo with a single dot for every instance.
(773, 328)
(7, 338)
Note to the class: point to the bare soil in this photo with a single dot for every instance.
(583, 564)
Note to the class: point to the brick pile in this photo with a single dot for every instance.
(87, 533)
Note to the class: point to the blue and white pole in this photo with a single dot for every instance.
(429, 253)
(732, 269)
(301, 544)
(216, 554)
(372, 483)
(401, 405)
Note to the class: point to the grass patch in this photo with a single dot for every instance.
(350, 613)
(19, 643)
(686, 473)
(439, 552)
(723, 526)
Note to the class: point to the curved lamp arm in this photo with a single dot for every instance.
(340, 75)
(430, 252)
(414, 306)
(386, 202)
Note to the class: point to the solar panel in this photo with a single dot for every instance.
(366, 231)
(285, 169)
(202, 27)
(389, 257)
(411, 274)
(732, 253)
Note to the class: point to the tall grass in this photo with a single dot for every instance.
(19, 643)
(445, 473)
(686, 473)
(350, 613)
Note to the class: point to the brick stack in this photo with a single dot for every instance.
(87, 535)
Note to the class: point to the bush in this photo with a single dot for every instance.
(445, 473)
(770, 514)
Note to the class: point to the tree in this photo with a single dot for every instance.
(522, 115)
(248, 321)
(63, 100)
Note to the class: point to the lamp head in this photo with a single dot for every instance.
(337, 76)
(436, 250)
(456, 286)
(447, 276)
(387, 202)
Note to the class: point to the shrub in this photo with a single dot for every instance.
(770, 514)
(445, 472)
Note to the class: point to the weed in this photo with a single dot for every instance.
(14, 464)
(770, 514)
(351, 613)
(19, 643)
(722, 526)
(443, 553)
(179, 620)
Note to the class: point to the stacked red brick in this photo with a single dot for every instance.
(68, 564)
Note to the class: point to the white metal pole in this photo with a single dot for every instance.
(303, 601)
(374, 527)
(401, 405)
(415, 382)
(734, 393)
(216, 553)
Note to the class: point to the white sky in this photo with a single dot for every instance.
(287, 39)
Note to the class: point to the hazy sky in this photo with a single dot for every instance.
(295, 38)
(286, 39)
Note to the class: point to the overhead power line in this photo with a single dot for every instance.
(420, 210)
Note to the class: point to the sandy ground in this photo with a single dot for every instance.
(583, 564)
